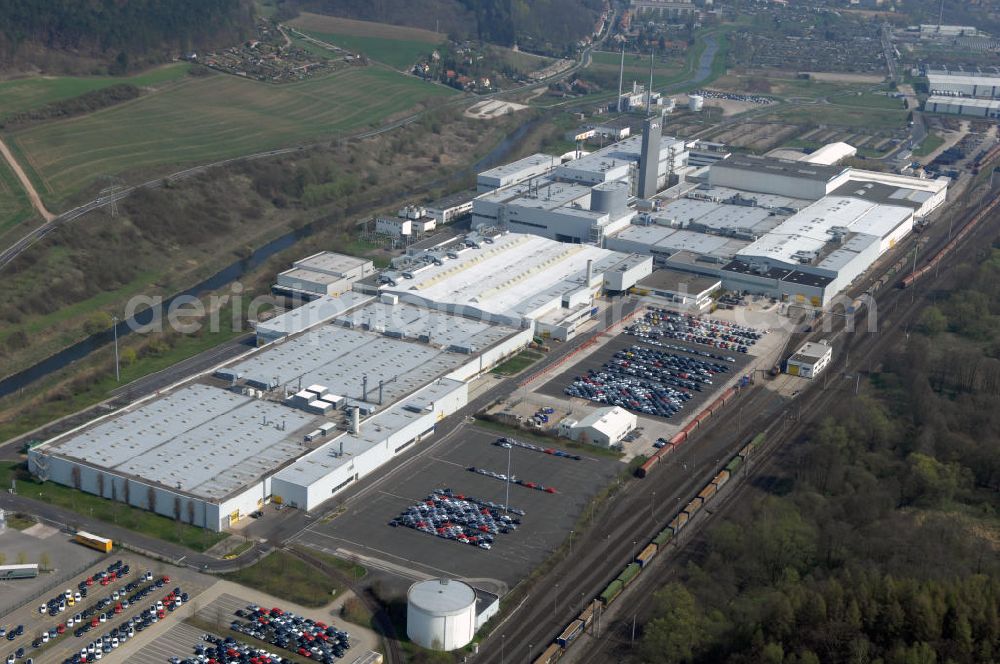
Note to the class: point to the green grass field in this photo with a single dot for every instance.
(286, 577)
(27, 93)
(210, 118)
(14, 204)
(518, 363)
(931, 143)
(842, 116)
(141, 521)
(397, 53)
(869, 101)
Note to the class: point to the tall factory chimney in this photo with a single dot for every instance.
(621, 76)
(364, 387)
(649, 159)
(381, 383)
(590, 272)
(649, 91)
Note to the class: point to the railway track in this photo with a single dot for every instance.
(634, 517)
(858, 352)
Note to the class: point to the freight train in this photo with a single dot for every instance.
(634, 568)
(684, 433)
(908, 280)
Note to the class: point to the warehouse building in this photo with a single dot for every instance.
(978, 108)
(519, 280)
(585, 200)
(604, 426)
(809, 360)
(295, 421)
(962, 84)
(783, 177)
(515, 172)
(325, 273)
(320, 310)
(684, 290)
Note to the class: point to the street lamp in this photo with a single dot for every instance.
(114, 327)
(503, 638)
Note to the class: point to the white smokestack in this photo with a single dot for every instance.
(356, 420)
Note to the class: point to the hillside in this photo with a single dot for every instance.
(548, 25)
(110, 36)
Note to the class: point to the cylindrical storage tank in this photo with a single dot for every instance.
(609, 197)
(441, 614)
(696, 102)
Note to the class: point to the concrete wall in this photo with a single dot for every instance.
(193, 510)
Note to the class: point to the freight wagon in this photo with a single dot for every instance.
(587, 615)
(665, 536)
(678, 522)
(692, 507)
(551, 654)
(612, 592)
(721, 479)
(646, 555)
(569, 635)
(629, 573)
(706, 494)
(734, 465)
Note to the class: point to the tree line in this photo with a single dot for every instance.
(876, 540)
(120, 33)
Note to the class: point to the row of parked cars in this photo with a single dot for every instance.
(667, 368)
(304, 636)
(508, 443)
(657, 324)
(734, 96)
(513, 479)
(229, 651)
(60, 603)
(455, 517)
(118, 635)
(615, 388)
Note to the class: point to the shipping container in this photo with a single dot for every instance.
(10, 572)
(692, 507)
(587, 615)
(707, 493)
(551, 654)
(721, 479)
(569, 635)
(613, 590)
(646, 555)
(629, 573)
(665, 536)
(679, 521)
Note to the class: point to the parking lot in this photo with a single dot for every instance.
(218, 607)
(362, 529)
(64, 557)
(66, 644)
(600, 356)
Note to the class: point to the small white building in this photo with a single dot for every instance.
(604, 426)
(809, 360)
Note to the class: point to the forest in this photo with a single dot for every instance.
(553, 26)
(118, 35)
(877, 540)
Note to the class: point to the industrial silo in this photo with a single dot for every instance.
(609, 197)
(441, 614)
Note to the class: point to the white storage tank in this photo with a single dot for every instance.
(696, 102)
(441, 614)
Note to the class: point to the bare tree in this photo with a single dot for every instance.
(190, 511)
(75, 477)
(126, 492)
(151, 499)
(100, 484)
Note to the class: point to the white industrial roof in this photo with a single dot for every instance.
(312, 313)
(830, 154)
(935, 81)
(305, 275)
(665, 239)
(332, 262)
(373, 431)
(199, 439)
(812, 228)
(965, 101)
(522, 167)
(339, 358)
(606, 420)
(515, 276)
